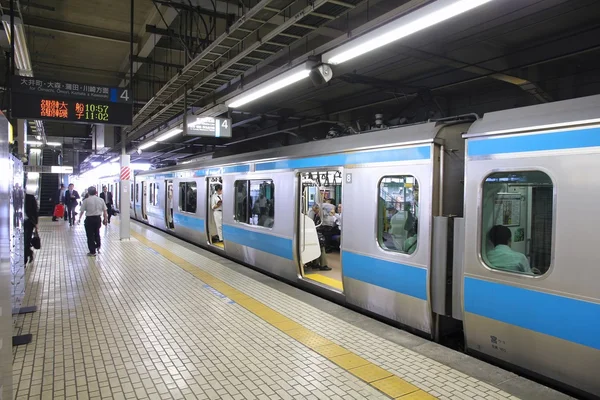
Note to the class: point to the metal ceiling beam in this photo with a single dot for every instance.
(106, 37)
(177, 81)
(172, 33)
(144, 46)
(197, 9)
(524, 84)
(150, 60)
(226, 64)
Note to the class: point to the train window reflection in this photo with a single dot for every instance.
(187, 197)
(516, 234)
(398, 213)
(255, 202)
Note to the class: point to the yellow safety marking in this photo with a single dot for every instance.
(370, 373)
(349, 361)
(418, 395)
(331, 350)
(334, 283)
(395, 387)
(381, 379)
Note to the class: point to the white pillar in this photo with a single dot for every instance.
(125, 197)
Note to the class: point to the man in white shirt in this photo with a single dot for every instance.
(216, 204)
(94, 208)
(502, 256)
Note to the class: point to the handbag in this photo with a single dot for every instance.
(35, 241)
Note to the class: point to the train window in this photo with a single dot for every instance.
(517, 223)
(398, 213)
(131, 191)
(255, 202)
(137, 193)
(187, 197)
(151, 197)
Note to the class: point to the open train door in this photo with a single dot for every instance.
(144, 201)
(214, 211)
(169, 195)
(319, 234)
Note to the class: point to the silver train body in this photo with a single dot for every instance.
(547, 324)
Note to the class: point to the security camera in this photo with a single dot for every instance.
(139, 151)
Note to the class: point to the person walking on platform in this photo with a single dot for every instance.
(70, 200)
(94, 208)
(30, 224)
(58, 198)
(217, 207)
(108, 199)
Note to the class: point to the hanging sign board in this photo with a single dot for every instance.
(209, 126)
(70, 102)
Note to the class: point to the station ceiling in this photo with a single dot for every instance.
(505, 54)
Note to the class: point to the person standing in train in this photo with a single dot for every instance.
(216, 204)
(108, 199)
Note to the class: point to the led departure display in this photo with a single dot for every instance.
(70, 110)
(70, 102)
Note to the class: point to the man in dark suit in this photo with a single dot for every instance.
(70, 201)
(30, 224)
(108, 199)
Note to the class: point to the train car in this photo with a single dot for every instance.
(531, 170)
(370, 174)
(445, 225)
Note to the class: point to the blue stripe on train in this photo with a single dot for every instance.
(189, 222)
(401, 278)
(562, 317)
(574, 139)
(276, 245)
(359, 157)
(222, 170)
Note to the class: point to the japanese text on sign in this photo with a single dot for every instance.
(83, 111)
(54, 109)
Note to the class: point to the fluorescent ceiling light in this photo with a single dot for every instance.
(416, 21)
(53, 144)
(95, 163)
(146, 145)
(114, 159)
(286, 79)
(169, 134)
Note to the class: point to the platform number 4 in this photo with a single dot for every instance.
(348, 178)
(225, 124)
(125, 95)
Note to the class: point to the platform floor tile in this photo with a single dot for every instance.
(130, 324)
(433, 378)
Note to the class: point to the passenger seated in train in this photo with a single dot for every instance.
(410, 244)
(502, 256)
(267, 219)
(329, 229)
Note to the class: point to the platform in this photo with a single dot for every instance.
(156, 318)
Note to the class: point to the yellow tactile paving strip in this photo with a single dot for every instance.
(379, 378)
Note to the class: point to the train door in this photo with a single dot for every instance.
(144, 200)
(169, 204)
(214, 211)
(319, 225)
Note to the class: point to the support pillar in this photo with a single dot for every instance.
(125, 196)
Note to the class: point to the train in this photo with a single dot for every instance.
(479, 225)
